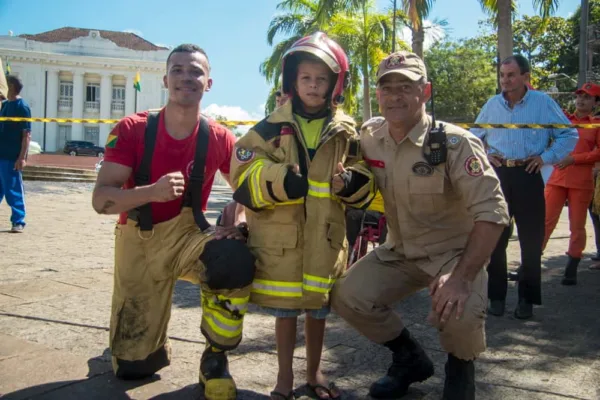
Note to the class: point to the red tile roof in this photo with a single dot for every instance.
(121, 39)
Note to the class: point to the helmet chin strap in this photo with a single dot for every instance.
(298, 108)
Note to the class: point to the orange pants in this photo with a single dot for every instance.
(579, 201)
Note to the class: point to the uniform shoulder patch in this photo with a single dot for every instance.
(373, 124)
(422, 169)
(243, 155)
(473, 166)
(267, 130)
(453, 140)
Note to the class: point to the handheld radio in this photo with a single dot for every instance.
(435, 151)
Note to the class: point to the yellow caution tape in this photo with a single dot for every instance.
(527, 126)
(101, 121)
(63, 120)
(236, 123)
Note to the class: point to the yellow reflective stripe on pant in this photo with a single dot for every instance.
(317, 284)
(319, 189)
(223, 316)
(277, 288)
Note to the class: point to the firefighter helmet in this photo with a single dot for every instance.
(328, 51)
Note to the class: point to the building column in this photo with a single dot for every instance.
(51, 111)
(129, 95)
(105, 107)
(78, 100)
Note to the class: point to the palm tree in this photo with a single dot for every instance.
(417, 11)
(500, 10)
(366, 37)
(365, 33)
(297, 20)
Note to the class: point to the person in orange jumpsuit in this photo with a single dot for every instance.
(572, 180)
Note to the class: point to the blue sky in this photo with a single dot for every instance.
(233, 32)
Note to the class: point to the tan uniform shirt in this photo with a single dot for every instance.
(430, 210)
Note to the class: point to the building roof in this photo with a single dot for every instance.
(122, 39)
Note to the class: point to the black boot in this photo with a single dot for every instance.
(460, 379)
(570, 277)
(410, 364)
(214, 376)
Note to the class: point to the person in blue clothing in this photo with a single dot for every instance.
(517, 156)
(14, 142)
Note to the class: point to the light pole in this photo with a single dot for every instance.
(394, 29)
(583, 43)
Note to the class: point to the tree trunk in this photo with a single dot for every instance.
(366, 89)
(505, 35)
(418, 40)
(366, 98)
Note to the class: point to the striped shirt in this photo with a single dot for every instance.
(535, 108)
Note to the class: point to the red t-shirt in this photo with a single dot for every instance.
(170, 155)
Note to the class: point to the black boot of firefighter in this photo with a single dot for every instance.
(410, 364)
(570, 277)
(460, 379)
(214, 375)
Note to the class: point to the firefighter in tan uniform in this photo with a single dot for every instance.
(158, 173)
(283, 170)
(445, 212)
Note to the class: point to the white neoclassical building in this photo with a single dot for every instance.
(84, 73)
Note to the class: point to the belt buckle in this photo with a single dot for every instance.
(511, 163)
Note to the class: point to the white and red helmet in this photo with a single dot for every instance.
(328, 51)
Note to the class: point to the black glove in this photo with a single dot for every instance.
(295, 185)
(353, 181)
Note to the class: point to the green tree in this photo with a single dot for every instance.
(542, 42)
(503, 13)
(297, 20)
(569, 61)
(366, 35)
(463, 78)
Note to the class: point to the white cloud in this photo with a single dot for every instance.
(134, 31)
(433, 34)
(232, 113)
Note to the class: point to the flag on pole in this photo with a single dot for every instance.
(136, 82)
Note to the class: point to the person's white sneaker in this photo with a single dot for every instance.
(17, 228)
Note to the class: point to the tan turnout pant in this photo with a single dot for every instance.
(365, 296)
(147, 265)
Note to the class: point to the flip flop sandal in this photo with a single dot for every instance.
(326, 389)
(279, 395)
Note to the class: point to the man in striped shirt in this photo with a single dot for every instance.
(517, 156)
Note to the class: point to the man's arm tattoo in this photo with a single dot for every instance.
(107, 205)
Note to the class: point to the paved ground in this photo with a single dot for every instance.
(55, 288)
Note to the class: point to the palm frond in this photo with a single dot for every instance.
(546, 7)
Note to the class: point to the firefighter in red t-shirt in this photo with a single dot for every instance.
(157, 174)
(572, 180)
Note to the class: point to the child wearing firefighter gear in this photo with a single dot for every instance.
(283, 171)
(572, 180)
(158, 172)
(445, 212)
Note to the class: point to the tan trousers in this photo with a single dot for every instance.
(365, 296)
(147, 265)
